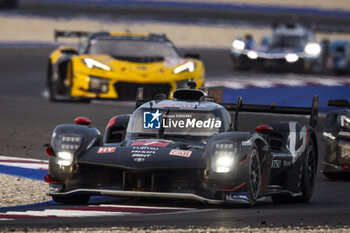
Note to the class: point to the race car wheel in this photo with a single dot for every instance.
(52, 85)
(308, 66)
(72, 200)
(53, 92)
(238, 64)
(58, 91)
(254, 176)
(308, 176)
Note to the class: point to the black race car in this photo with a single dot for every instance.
(186, 148)
(336, 135)
(291, 47)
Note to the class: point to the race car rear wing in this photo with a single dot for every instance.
(240, 107)
(217, 93)
(70, 34)
(339, 103)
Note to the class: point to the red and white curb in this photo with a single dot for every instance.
(240, 83)
(24, 163)
(55, 210)
(90, 211)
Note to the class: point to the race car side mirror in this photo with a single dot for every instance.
(264, 129)
(82, 121)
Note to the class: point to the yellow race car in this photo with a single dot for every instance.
(113, 65)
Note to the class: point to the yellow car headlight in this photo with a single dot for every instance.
(91, 63)
(187, 67)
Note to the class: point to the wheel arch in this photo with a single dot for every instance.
(262, 151)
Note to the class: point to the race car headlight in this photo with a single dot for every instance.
(252, 55)
(291, 57)
(187, 67)
(223, 158)
(312, 49)
(64, 158)
(97, 84)
(66, 146)
(223, 162)
(91, 63)
(238, 44)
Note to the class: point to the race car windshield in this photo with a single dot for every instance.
(288, 41)
(132, 48)
(167, 123)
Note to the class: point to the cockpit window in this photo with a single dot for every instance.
(167, 123)
(288, 41)
(131, 48)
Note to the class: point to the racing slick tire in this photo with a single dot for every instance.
(56, 88)
(254, 176)
(309, 67)
(309, 174)
(238, 64)
(307, 179)
(72, 200)
(51, 84)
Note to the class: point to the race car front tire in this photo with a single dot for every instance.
(56, 88)
(254, 176)
(238, 64)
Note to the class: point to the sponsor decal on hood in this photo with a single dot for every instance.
(159, 143)
(106, 149)
(181, 153)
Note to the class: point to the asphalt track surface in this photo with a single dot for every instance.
(27, 120)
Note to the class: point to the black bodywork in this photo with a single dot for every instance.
(339, 57)
(336, 135)
(227, 166)
(283, 50)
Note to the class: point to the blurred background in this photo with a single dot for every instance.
(206, 27)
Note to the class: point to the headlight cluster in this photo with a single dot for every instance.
(66, 146)
(238, 44)
(291, 57)
(187, 67)
(99, 85)
(91, 63)
(313, 49)
(223, 158)
(252, 54)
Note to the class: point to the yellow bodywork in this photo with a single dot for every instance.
(161, 72)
